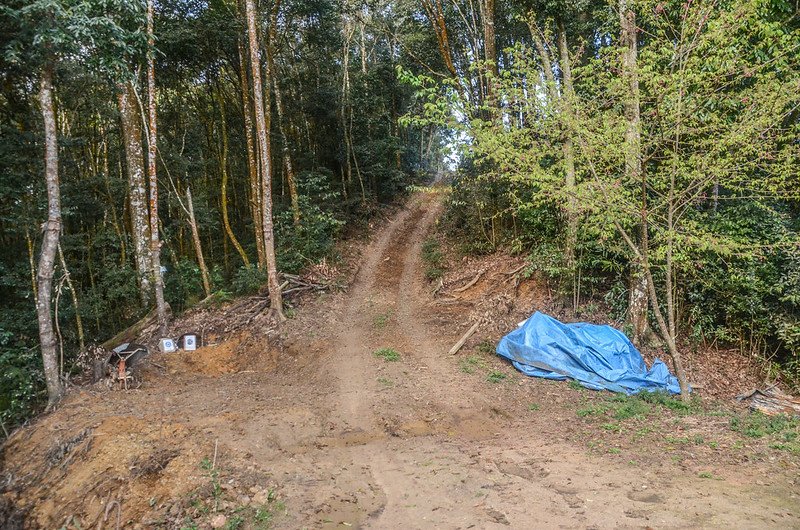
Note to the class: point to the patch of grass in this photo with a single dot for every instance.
(433, 258)
(612, 426)
(213, 475)
(626, 407)
(677, 440)
(385, 381)
(496, 376)
(783, 430)
(380, 320)
(263, 515)
(388, 354)
(668, 401)
(486, 347)
(469, 364)
(705, 474)
(593, 409)
(623, 407)
(533, 407)
(758, 425)
(234, 523)
(644, 431)
(615, 450)
(574, 385)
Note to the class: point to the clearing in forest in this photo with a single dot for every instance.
(358, 418)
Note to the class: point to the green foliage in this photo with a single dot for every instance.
(21, 381)
(718, 139)
(320, 224)
(623, 407)
(758, 425)
(782, 431)
(433, 258)
(183, 285)
(249, 280)
(486, 347)
(387, 354)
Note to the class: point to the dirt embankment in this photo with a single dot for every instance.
(310, 428)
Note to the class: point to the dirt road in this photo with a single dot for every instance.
(351, 439)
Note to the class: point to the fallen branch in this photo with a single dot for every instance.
(518, 269)
(471, 283)
(460, 344)
(130, 333)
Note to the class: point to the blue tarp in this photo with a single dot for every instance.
(598, 357)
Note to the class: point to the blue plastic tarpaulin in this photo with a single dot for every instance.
(598, 357)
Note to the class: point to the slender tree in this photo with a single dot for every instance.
(131, 124)
(276, 298)
(152, 146)
(50, 241)
(637, 297)
(252, 159)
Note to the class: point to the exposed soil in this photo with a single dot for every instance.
(316, 428)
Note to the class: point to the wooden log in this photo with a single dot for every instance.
(772, 401)
(130, 333)
(458, 345)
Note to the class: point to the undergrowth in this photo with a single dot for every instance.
(434, 259)
(780, 432)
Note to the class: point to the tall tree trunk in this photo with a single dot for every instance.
(198, 248)
(348, 33)
(637, 299)
(435, 13)
(287, 155)
(567, 95)
(52, 232)
(276, 298)
(489, 46)
(134, 157)
(643, 288)
(223, 165)
(152, 137)
(252, 161)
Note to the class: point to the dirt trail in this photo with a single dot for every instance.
(352, 440)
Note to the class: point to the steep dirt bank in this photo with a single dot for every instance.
(324, 434)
